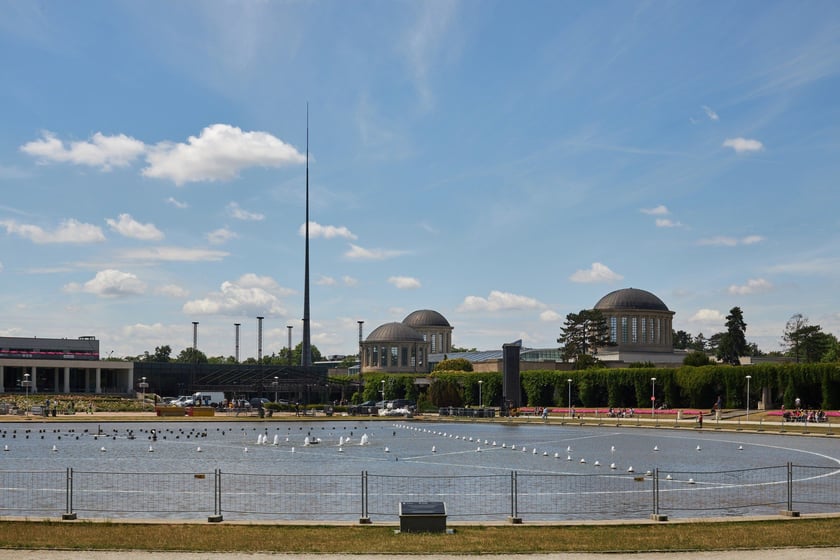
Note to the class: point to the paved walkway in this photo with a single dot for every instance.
(775, 554)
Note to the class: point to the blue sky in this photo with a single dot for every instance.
(504, 163)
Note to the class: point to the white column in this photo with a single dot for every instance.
(129, 381)
(66, 380)
(2, 380)
(98, 389)
(34, 379)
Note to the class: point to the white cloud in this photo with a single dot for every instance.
(104, 152)
(70, 231)
(221, 235)
(361, 254)
(707, 316)
(110, 283)
(173, 254)
(349, 281)
(550, 316)
(219, 153)
(249, 295)
(1, 266)
(666, 223)
(660, 210)
(597, 273)
(129, 227)
(327, 232)
(724, 241)
(404, 282)
(173, 290)
(499, 301)
(743, 145)
(176, 203)
(753, 285)
(325, 281)
(710, 113)
(237, 212)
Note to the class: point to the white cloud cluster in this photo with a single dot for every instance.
(221, 235)
(237, 212)
(724, 241)
(549, 316)
(172, 254)
(129, 227)
(499, 301)
(743, 145)
(172, 201)
(110, 283)
(660, 210)
(69, 231)
(597, 273)
(710, 113)
(219, 153)
(358, 253)
(404, 282)
(325, 281)
(104, 152)
(173, 290)
(327, 232)
(708, 316)
(249, 295)
(753, 285)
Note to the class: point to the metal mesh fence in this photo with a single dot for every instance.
(133, 494)
(291, 496)
(815, 489)
(583, 496)
(31, 492)
(760, 490)
(487, 496)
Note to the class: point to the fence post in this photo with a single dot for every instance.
(69, 514)
(790, 512)
(656, 516)
(217, 498)
(514, 498)
(365, 518)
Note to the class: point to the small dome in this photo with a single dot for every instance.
(631, 298)
(394, 332)
(426, 318)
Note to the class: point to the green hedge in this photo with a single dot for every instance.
(817, 385)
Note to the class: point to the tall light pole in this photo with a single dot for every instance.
(26, 383)
(289, 346)
(748, 397)
(569, 413)
(480, 402)
(383, 392)
(360, 345)
(275, 383)
(652, 397)
(143, 386)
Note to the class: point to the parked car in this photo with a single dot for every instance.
(401, 403)
(366, 408)
(259, 402)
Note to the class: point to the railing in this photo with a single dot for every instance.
(787, 489)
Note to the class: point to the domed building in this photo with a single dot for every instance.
(405, 347)
(640, 325)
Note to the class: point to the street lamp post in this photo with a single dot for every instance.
(143, 386)
(289, 348)
(652, 397)
(569, 413)
(275, 383)
(383, 392)
(26, 383)
(480, 402)
(748, 397)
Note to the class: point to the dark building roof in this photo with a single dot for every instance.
(631, 298)
(426, 318)
(394, 332)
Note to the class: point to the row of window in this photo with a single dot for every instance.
(394, 356)
(637, 330)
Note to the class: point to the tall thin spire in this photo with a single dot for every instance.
(306, 347)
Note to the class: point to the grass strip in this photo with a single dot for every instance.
(471, 539)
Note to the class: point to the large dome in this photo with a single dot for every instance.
(393, 332)
(631, 298)
(426, 318)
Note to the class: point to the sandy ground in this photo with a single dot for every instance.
(775, 554)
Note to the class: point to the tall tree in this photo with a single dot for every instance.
(682, 340)
(583, 333)
(162, 354)
(189, 356)
(733, 343)
(791, 338)
(806, 342)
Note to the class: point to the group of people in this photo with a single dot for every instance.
(621, 412)
(800, 415)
